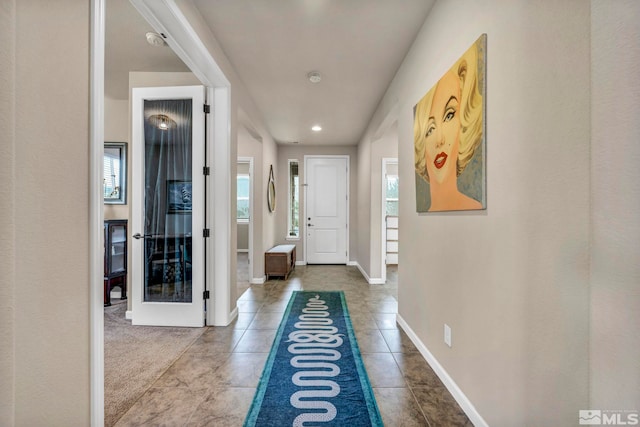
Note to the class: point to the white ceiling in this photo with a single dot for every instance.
(357, 46)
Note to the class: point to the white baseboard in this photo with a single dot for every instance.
(128, 315)
(464, 402)
(226, 321)
(258, 280)
(301, 262)
(243, 250)
(371, 281)
(232, 316)
(353, 264)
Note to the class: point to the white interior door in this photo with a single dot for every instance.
(168, 206)
(326, 209)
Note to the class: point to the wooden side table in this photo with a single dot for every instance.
(280, 261)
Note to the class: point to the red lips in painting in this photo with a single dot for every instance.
(440, 160)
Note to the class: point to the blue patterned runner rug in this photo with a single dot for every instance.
(314, 375)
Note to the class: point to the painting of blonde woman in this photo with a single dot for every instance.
(449, 137)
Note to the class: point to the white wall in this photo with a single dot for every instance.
(44, 226)
(511, 281)
(615, 201)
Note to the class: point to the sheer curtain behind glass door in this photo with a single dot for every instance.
(168, 200)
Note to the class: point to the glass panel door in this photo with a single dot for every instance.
(168, 206)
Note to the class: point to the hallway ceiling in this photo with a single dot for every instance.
(356, 45)
(126, 49)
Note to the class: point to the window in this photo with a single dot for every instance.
(243, 197)
(294, 201)
(114, 173)
(392, 195)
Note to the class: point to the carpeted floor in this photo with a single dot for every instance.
(136, 356)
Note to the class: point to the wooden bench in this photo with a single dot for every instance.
(280, 261)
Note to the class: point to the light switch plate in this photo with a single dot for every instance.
(447, 335)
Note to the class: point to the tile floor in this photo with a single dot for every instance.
(213, 382)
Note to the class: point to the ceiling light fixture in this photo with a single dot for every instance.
(314, 77)
(162, 121)
(316, 128)
(155, 39)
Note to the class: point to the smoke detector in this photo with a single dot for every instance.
(314, 77)
(155, 39)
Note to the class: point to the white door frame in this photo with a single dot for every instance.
(250, 237)
(385, 162)
(304, 185)
(164, 16)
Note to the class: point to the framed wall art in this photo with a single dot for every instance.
(179, 197)
(449, 125)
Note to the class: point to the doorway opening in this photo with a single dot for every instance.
(244, 209)
(183, 40)
(390, 206)
(168, 206)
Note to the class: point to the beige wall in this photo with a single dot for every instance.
(116, 129)
(44, 356)
(371, 151)
(243, 237)
(287, 152)
(384, 147)
(241, 101)
(8, 218)
(248, 146)
(363, 225)
(615, 201)
(511, 281)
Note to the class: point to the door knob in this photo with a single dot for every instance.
(139, 236)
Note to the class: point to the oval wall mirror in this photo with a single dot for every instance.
(271, 191)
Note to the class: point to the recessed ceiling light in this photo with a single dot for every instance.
(316, 128)
(314, 77)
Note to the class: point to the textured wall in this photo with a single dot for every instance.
(116, 129)
(615, 197)
(385, 147)
(511, 281)
(51, 205)
(7, 219)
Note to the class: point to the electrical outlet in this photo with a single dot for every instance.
(447, 335)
